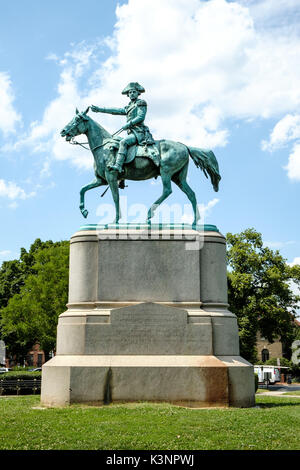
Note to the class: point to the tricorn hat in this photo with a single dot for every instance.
(133, 86)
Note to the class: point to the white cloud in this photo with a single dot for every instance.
(286, 130)
(44, 135)
(295, 261)
(201, 62)
(274, 14)
(52, 56)
(207, 54)
(45, 171)
(5, 253)
(9, 117)
(13, 205)
(278, 245)
(204, 210)
(12, 191)
(293, 166)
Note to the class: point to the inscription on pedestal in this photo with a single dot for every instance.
(149, 328)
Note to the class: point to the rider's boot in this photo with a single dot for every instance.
(119, 162)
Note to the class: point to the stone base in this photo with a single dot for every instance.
(148, 320)
(194, 381)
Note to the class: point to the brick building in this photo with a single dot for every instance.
(34, 358)
(277, 349)
(266, 350)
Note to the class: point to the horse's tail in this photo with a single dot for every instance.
(207, 162)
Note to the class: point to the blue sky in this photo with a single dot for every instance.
(218, 74)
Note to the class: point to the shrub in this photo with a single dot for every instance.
(283, 362)
(22, 375)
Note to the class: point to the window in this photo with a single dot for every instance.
(40, 360)
(30, 359)
(265, 355)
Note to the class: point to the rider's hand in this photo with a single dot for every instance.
(126, 126)
(95, 109)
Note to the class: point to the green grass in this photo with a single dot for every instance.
(296, 392)
(273, 424)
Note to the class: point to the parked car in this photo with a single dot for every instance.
(4, 369)
(38, 369)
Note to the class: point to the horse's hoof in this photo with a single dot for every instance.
(85, 213)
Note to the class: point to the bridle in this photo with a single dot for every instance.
(72, 141)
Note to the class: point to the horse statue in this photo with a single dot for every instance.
(172, 165)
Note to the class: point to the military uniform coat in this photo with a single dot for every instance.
(135, 113)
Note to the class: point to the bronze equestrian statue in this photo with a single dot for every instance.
(138, 156)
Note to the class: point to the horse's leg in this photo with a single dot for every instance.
(94, 184)
(167, 190)
(112, 180)
(180, 180)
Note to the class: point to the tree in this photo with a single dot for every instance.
(259, 291)
(11, 280)
(13, 273)
(31, 314)
(283, 362)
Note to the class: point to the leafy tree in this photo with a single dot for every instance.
(31, 314)
(259, 291)
(11, 280)
(13, 273)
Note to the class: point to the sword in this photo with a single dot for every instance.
(118, 132)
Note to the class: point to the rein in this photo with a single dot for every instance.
(74, 142)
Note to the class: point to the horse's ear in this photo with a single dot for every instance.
(77, 112)
(87, 110)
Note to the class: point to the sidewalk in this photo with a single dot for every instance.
(269, 393)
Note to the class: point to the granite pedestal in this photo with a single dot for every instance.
(148, 319)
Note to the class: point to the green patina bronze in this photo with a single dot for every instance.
(138, 157)
(199, 227)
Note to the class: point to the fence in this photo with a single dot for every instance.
(20, 385)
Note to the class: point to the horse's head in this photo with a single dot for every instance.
(76, 126)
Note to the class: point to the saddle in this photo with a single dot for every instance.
(144, 149)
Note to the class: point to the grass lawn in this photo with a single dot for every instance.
(273, 424)
(296, 392)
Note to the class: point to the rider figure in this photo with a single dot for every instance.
(135, 112)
